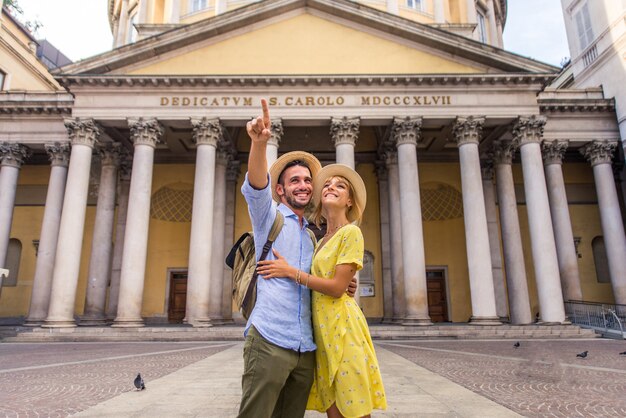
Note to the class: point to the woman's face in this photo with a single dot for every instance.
(336, 193)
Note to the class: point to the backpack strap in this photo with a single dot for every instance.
(274, 231)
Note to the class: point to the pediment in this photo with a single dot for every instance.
(305, 37)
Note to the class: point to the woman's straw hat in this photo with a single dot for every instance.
(360, 194)
(279, 165)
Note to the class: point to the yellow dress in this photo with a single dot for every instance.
(347, 370)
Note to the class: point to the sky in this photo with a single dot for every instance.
(80, 28)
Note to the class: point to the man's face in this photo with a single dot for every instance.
(295, 187)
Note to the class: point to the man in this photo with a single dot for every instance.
(279, 358)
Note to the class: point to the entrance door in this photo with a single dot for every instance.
(437, 302)
(178, 297)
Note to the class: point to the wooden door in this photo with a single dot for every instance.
(178, 297)
(437, 302)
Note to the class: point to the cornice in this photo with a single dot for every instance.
(254, 13)
(576, 105)
(36, 103)
(387, 80)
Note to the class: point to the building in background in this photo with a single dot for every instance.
(487, 189)
(50, 55)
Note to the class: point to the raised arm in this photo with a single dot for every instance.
(259, 130)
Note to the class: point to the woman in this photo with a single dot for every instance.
(347, 380)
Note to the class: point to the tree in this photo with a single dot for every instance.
(17, 12)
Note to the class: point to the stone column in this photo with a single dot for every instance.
(122, 25)
(271, 151)
(232, 173)
(12, 157)
(174, 16)
(42, 282)
(514, 266)
(145, 134)
(406, 133)
(528, 132)
(467, 133)
(216, 292)
(499, 289)
(344, 132)
(471, 11)
(220, 7)
(383, 196)
(206, 134)
(142, 17)
(83, 136)
(101, 244)
(392, 6)
(440, 16)
(123, 190)
(493, 29)
(553, 153)
(600, 155)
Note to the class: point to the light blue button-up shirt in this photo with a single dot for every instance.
(282, 313)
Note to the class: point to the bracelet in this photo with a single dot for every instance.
(298, 277)
(308, 276)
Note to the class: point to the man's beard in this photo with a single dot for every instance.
(293, 202)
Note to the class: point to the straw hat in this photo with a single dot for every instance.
(360, 194)
(280, 163)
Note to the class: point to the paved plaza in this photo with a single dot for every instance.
(451, 378)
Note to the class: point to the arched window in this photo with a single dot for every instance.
(14, 255)
(600, 260)
(414, 4)
(197, 5)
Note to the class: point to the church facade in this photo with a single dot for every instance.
(492, 194)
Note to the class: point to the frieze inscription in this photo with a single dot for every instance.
(307, 101)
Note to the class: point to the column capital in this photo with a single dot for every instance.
(82, 131)
(145, 131)
(381, 170)
(554, 151)
(13, 154)
(277, 132)
(503, 151)
(468, 130)
(232, 170)
(344, 130)
(406, 130)
(599, 152)
(486, 168)
(58, 153)
(206, 131)
(111, 153)
(529, 129)
(126, 167)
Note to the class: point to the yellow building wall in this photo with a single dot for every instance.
(297, 43)
(20, 63)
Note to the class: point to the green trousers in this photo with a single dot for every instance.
(276, 381)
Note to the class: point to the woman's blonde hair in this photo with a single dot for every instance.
(318, 218)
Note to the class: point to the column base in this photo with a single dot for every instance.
(565, 322)
(128, 323)
(59, 323)
(203, 323)
(416, 322)
(484, 320)
(33, 322)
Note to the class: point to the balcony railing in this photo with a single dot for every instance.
(605, 318)
(590, 56)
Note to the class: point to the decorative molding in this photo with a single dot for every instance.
(277, 132)
(344, 130)
(82, 131)
(59, 153)
(145, 131)
(381, 170)
(468, 130)
(554, 151)
(503, 152)
(406, 130)
(599, 152)
(486, 168)
(232, 171)
(13, 154)
(529, 129)
(206, 131)
(393, 80)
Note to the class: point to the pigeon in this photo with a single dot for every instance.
(139, 382)
(623, 353)
(517, 344)
(582, 355)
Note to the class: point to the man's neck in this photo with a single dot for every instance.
(299, 213)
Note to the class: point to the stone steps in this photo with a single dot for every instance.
(235, 333)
